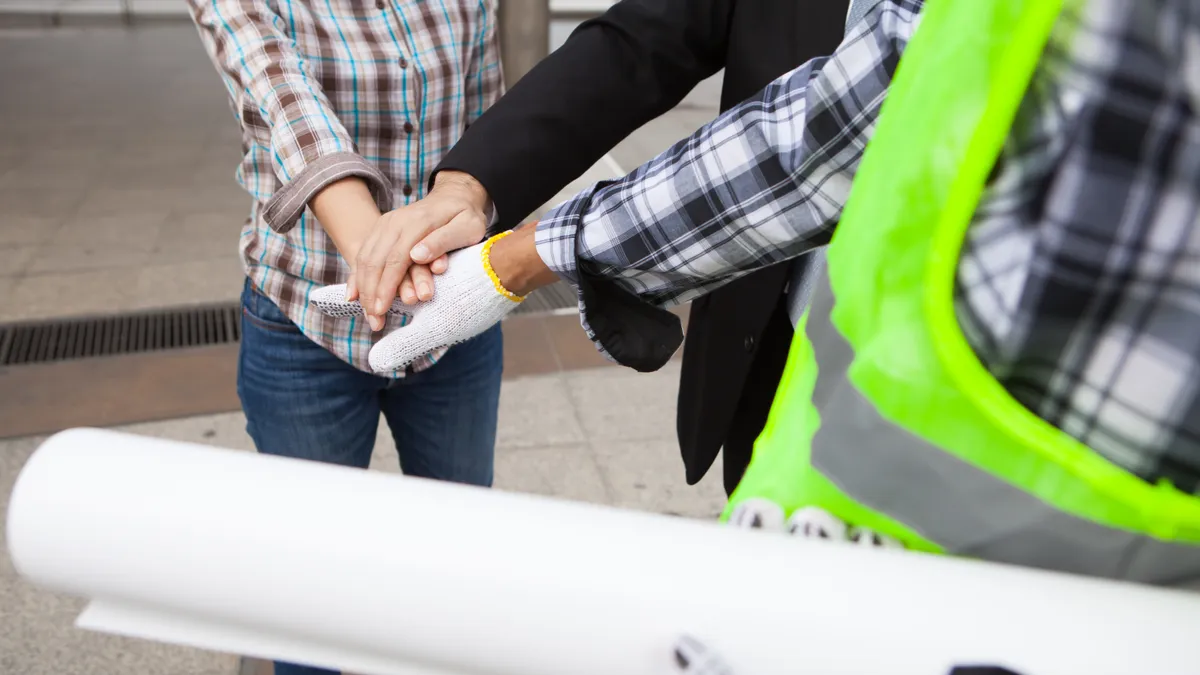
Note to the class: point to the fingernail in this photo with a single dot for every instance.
(420, 253)
(424, 291)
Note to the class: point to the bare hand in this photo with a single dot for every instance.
(408, 245)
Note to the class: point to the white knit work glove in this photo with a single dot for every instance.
(468, 299)
(809, 522)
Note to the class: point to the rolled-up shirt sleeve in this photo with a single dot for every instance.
(763, 183)
(267, 77)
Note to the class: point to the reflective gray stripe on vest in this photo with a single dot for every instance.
(966, 511)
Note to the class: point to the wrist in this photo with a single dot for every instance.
(347, 212)
(516, 262)
(465, 186)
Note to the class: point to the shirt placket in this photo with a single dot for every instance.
(396, 27)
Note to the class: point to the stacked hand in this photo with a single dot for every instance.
(469, 300)
(406, 247)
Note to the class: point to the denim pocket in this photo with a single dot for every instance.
(261, 311)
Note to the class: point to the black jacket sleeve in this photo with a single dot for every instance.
(615, 73)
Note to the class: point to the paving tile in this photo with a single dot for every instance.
(648, 475)
(190, 283)
(537, 412)
(53, 177)
(82, 154)
(83, 256)
(25, 230)
(137, 227)
(227, 430)
(571, 344)
(14, 259)
(131, 200)
(198, 236)
(527, 351)
(45, 203)
(618, 404)
(564, 471)
(44, 296)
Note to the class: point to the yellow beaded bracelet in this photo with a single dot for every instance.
(487, 267)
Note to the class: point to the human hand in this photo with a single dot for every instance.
(468, 302)
(417, 276)
(392, 260)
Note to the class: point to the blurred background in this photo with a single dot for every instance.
(119, 281)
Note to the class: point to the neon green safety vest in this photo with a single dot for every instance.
(884, 416)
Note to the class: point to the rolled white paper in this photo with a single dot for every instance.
(383, 575)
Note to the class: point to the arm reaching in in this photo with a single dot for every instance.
(640, 58)
(763, 183)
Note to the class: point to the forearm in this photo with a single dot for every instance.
(516, 262)
(764, 183)
(347, 212)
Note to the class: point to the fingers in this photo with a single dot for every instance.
(440, 265)
(421, 277)
(366, 274)
(380, 267)
(351, 288)
(465, 229)
(408, 293)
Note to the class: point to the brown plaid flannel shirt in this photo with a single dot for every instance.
(327, 89)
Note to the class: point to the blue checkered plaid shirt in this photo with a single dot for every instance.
(1079, 281)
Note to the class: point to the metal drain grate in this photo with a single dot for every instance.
(63, 340)
(68, 339)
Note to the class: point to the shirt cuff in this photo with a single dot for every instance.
(624, 328)
(284, 208)
(556, 233)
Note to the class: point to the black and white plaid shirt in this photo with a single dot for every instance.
(1079, 282)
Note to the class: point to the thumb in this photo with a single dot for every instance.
(396, 350)
(465, 229)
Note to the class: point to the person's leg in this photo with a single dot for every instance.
(302, 401)
(444, 419)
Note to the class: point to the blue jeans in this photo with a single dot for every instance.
(302, 401)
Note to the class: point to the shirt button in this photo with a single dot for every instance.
(748, 343)
(407, 191)
(403, 62)
(380, 4)
(408, 127)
